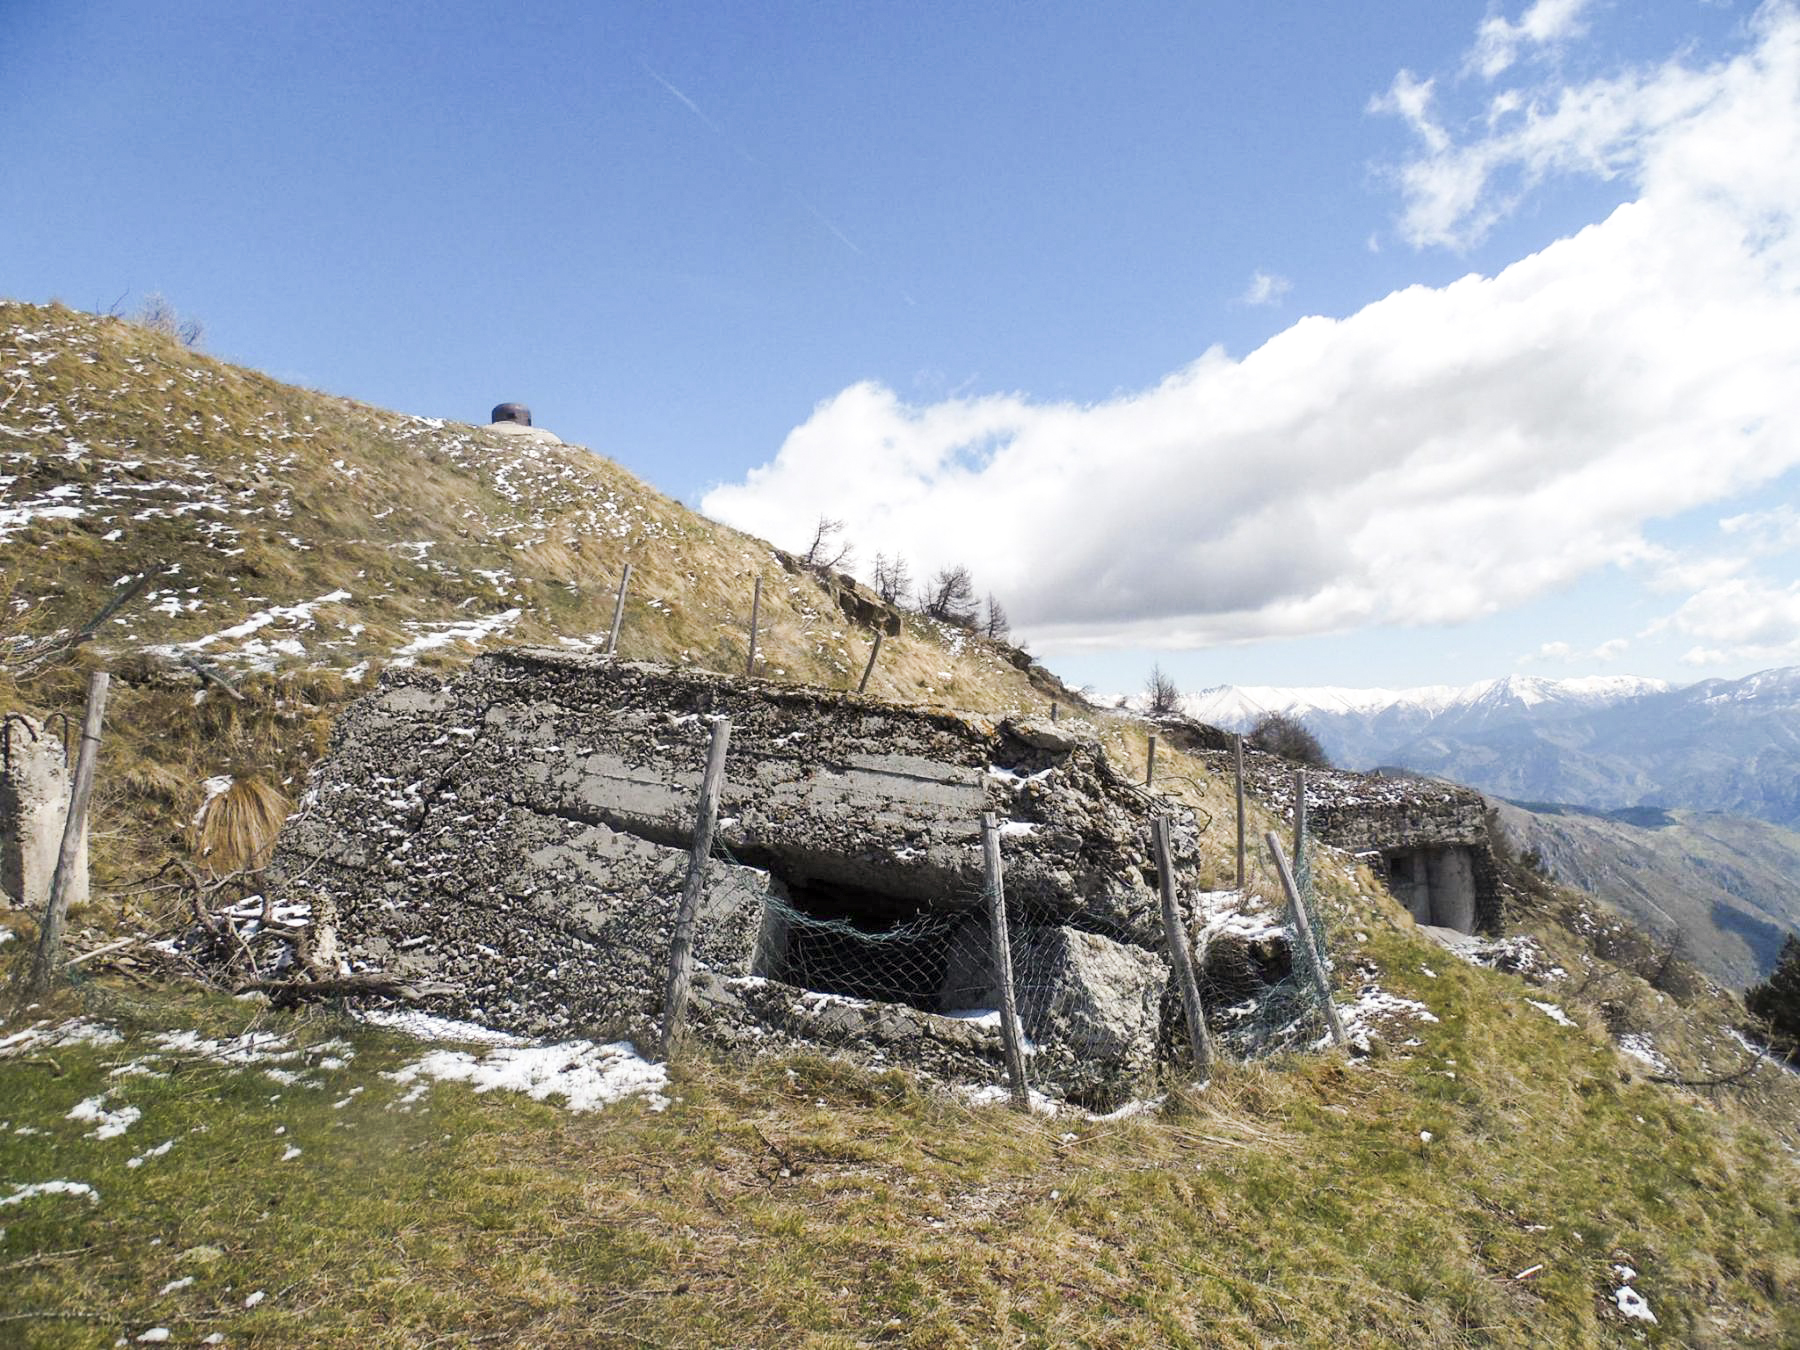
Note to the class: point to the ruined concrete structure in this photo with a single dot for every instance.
(520, 832)
(34, 805)
(1427, 838)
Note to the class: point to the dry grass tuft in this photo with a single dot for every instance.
(237, 828)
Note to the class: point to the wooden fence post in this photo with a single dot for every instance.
(1304, 931)
(1012, 1039)
(45, 964)
(869, 669)
(681, 944)
(1237, 755)
(1150, 762)
(755, 614)
(1179, 956)
(612, 641)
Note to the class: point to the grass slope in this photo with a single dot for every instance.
(804, 1202)
(297, 542)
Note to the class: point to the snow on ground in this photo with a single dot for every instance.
(1640, 1047)
(1633, 1304)
(1373, 1009)
(1234, 914)
(584, 1074)
(1553, 1012)
(423, 1026)
(435, 635)
(46, 1037)
(1520, 955)
(107, 1124)
(24, 1192)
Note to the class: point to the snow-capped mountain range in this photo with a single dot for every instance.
(1602, 741)
(1237, 707)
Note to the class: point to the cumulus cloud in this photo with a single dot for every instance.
(1546, 24)
(1566, 653)
(1265, 288)
(1745, 620)
(1443, 454)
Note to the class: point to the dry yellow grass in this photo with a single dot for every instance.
(236, 829)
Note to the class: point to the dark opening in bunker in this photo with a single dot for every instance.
(1436, 883)
(860, 943)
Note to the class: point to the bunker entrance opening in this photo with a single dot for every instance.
(1436, 883)
(860, 943)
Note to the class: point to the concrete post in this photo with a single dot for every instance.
(34, 805)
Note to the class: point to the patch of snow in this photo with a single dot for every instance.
(425, 1027)
(108, 1124)
(474, 630)
(148, 1154)
(1640, 1047)
(26, 1192)
(993, 1094)
(1136, 1107)
(45, 1037)
(1554, 1013)
(586, 1075)
(1633, 1305)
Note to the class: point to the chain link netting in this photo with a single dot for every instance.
(938, 957)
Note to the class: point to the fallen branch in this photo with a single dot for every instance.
(100, 951)
(286, 993)
(1724, 1081)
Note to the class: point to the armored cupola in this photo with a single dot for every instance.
(516, 413)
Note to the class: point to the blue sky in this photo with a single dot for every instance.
(1027, 288)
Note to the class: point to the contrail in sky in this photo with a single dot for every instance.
(719, 131)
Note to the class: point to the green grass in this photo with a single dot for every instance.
(802, 1201)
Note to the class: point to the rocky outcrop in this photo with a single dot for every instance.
(520, 832)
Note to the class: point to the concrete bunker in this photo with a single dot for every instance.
(1436, 883)
(518, 833)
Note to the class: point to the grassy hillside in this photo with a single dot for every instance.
(294, 543)
(1477, 1174)
(1729, 885)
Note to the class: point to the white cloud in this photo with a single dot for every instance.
(1410, 98)
(1265, 288)
(1566, 653)
(1744, 620)
(1440, 455)
(1641, 122)
(1546, 24)
(1766, 532)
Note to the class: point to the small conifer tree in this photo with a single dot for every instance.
(1777, 999)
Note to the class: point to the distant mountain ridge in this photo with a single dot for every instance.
(1605, 742)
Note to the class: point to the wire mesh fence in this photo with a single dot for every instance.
(938, 956)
